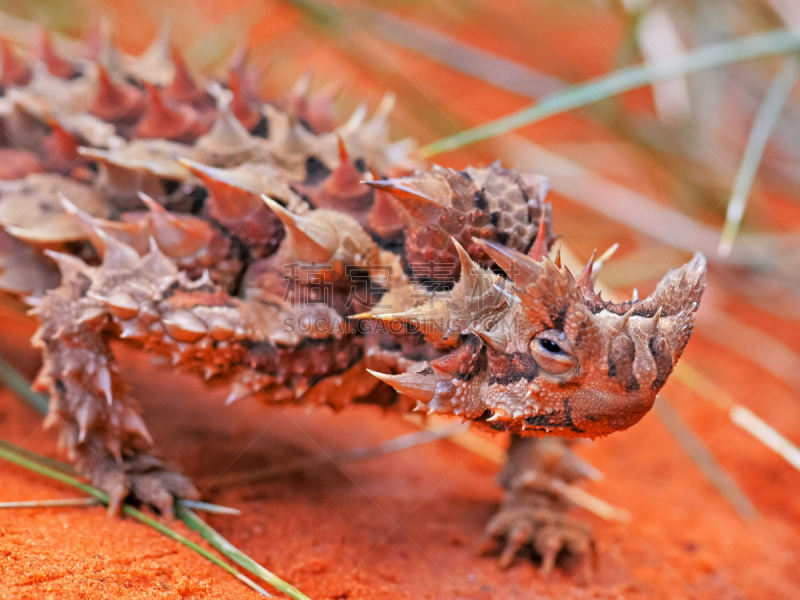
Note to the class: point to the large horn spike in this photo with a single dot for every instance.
(415, 385)
(416, 203)
(508, 259)
(310, 238)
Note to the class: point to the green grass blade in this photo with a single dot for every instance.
(765, 120)
(623, 80)
(17, 384)
(194, 522)
(29, 463)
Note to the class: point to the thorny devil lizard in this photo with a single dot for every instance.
(308, 264)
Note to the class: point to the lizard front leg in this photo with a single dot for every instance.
(100, 424)
(533, 516)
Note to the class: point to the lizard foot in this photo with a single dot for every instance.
(543, 533)
(141, 477)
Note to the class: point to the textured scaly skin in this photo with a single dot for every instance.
(306, 264)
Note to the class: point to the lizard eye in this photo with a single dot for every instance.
(550, 346)
(550, 350)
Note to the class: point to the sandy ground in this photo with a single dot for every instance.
(403, 525)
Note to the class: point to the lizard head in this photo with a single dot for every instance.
(541, 352)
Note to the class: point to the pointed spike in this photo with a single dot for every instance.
(13, 71)
(309, 238)
(495, 343)
(625, 318)
(467, 264)
(132, 422)
(657, 317)
(539, 249)
(584, 280)
(238, 391)
(102, 378)
(416, 203)
(156, 264)
(69, 265)
(344, 157)
(150, 203)
(415, 385)
(635, 295)
(115, 103)
(508, 259)
(57, 66)
(84, 418)
(182, 88)
(116, 254)
(558, 257)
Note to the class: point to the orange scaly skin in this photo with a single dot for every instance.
(261, 244)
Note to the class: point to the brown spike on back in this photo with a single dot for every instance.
(585, 281)
(539, 249)
(183, 88)
(342, 190)
(166, 120)
(58, 67)
(177, 235)
(116, 103)
(61, 148)
(244, 108)
(386, 219)
(228, 143)
(15, 72)
(419, 205)
(310, 238)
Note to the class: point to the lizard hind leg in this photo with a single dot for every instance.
(100, 424)
(533, 517)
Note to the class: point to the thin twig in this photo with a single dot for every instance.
(402, 442)
(208, 507)
(765, 120)
(703, 458)
(51, 503)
